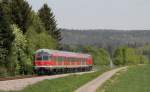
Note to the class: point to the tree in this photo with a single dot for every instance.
(38, 37)
(47, 17)
(119, 56)
(6, 36)
(100, 56)
(126, 56)
(18, 58)
(36, 23)
(21, 14)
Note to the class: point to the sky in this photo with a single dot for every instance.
(99, 14)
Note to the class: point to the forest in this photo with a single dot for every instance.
(22, 32)
(105, 37)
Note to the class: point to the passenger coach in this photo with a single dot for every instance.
(47, 61)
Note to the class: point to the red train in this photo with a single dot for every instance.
(47, 61)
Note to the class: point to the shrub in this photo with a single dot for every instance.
(127, 56)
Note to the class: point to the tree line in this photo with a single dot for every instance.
(22, 31)
(122, 55)
(105, 38)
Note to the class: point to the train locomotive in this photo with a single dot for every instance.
(53, 61)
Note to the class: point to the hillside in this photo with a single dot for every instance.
(105, 37)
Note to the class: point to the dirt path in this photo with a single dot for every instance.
(93, 85)
(19, 84)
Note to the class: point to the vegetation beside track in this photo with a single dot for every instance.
(135, 79)
(65, 84)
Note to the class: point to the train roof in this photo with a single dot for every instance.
(63, 53)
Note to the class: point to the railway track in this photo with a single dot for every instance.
(17, 77)
(19, 84)
(25, 77)
(34, 76)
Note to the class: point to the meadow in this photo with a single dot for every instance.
(134, 79)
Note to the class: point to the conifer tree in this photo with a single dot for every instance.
(21, 14)
(6, 36)
(47, 17)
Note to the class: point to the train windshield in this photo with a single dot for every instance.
(39, 58)
(43, 56)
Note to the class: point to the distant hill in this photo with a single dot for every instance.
(105, 37)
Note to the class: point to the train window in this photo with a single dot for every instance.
(70, 60)
(50, 58)
(45, 57)
(62, 59)
(78, 59)
(83, 59)
(58, 59)
(67, 59)
(39, 58)
(74, 59)
(55, 59)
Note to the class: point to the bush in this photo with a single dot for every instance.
(128, 56)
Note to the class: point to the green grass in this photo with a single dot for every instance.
(66, 84)
(135, 79)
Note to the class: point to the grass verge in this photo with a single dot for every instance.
(66, 84)
(135, 79)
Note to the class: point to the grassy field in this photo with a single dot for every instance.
(66, 84)
(135, 79)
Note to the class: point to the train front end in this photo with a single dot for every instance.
(42, 63)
